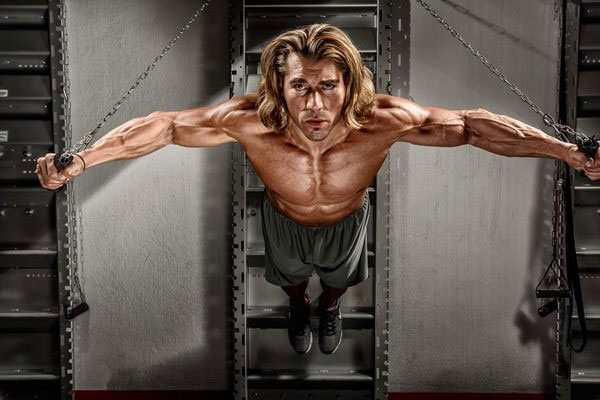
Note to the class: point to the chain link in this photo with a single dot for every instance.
(558, 247)
(562, 131)
(85, 141)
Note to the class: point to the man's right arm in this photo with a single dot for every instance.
(198, 127)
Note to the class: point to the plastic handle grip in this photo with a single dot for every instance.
(588, 146)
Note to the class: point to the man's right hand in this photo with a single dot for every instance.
(582, 162)
(49, 176)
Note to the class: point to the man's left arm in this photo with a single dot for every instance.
(495, 133)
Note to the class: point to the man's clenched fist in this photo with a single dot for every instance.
(581, 162)
(49, 176)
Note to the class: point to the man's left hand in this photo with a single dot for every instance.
(581, 162)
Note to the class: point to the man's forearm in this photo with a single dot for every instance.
(509, 137)
(135, 138)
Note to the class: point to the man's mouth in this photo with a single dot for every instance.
(315, 123)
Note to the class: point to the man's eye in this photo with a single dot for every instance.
(299, 86)
(328, 86)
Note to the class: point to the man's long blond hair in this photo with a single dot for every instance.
(317, 41)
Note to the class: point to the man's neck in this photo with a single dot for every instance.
(339, 133)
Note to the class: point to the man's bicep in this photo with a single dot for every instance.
(196, 128)
(431, 126)
(398, 116)
(210, 126)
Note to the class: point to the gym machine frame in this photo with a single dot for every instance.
(244, 380)
(578, 373)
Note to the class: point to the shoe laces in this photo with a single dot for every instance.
(329, 322)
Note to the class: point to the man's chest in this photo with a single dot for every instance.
(334, 176)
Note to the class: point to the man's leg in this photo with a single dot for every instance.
(297, 293)
(330, 295)
(330, 318)
(299, 331)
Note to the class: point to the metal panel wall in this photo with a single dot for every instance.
(155, 230)
(470, 230)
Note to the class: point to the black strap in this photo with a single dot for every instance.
(572, 270)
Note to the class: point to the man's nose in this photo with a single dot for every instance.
(314, 102)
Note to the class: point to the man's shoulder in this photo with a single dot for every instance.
(239, 116)
(387, 106)
(385, 101)
(245, 104)
(392, 112)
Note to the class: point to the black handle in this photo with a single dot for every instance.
(553, 293)
(547, 308)
(71, 313)
(61, 161)
(588, 146)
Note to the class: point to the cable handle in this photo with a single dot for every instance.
(547, 308)
(71, 313)
(61, 161)
(589, 146)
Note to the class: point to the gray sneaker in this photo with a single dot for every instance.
(330, 328)
(299, 331)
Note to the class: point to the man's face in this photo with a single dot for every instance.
(314, 92)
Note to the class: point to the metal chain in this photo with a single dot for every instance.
(557, 252)
(561, 318)
(559, 182)
(75, 258)
(560, 234)
(83, 143)
(557, 220)
(560, 129)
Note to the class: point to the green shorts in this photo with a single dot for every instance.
(337, 252)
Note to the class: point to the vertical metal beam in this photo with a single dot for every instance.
(237, 88)
(570, 42)
(401, 49)
(571, 61)
(382, 214)
(61, 142)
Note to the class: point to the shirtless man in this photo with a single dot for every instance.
(316, 133)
